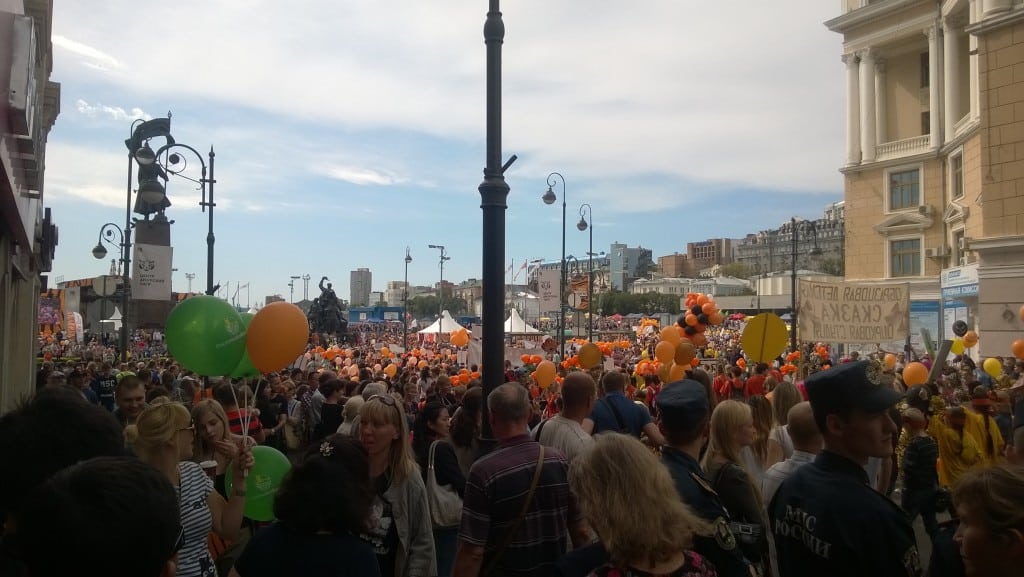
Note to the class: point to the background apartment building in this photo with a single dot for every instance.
(934, 171)
(360, 283)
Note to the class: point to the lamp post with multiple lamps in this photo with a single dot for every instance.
(107, 232)
(550, 198)
(170, 162)
(440, 284)
(796, 227)
(405, 301)
(586, 223)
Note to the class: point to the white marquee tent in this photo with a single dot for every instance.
(515, 325)
(445, 324)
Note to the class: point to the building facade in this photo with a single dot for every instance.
(360, 283)
(626, 264)
(770, 251)
(28, 235)
(934, 171)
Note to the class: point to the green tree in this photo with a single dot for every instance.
(737, 270)
(833, 266)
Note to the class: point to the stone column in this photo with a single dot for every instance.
(852, 109)
(881, 120)
(933, 86)
(950, 85)
(868, 141)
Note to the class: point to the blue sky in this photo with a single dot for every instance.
(346, 131)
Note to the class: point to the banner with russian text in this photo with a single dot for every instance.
(151, 273)
(853, 312)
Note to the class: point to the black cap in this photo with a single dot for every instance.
(683, 404)
(858, 385)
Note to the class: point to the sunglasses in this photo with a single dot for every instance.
(386, 399)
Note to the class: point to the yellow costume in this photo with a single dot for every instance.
(983, 430)
(958, 451)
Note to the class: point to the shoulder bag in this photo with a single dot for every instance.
(618, 418)
(445, 503)
(747, 534)
(507, 540)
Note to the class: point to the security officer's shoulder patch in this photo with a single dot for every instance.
(912, 562)
(723, 536)
(703, 484)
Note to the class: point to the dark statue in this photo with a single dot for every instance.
(325, 314)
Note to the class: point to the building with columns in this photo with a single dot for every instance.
(934, 168)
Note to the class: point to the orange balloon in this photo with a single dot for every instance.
(684, 353)
(1018, 348)
(709, 308)
(670, 334)
(890, 360)
(699, 340)
(536, 359)
(915, 374)
(277, 335)
(665, 350)
(545, 374)
(676, 373)
(970, 339)
(460, 338)
(422, 364)
(390, 370)
(589, 356)
(695, 362)
(525, 359)
(691, 319)
(1020, 313)
(715, 318)
(702, 300)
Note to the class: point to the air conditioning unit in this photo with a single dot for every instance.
(925, 209)
(936, 252)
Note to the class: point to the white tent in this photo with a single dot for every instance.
(515, 325)
(115, 319)
(445, 324)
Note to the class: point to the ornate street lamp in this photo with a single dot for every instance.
(550, 198)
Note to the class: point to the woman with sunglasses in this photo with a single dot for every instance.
(165, 437)
(399, 527)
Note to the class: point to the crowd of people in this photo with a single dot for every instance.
(408, 469)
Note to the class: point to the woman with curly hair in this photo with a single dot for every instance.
(322, 506)
(630, 500)
(991, 531)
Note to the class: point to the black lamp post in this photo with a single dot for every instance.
(405, 301)
(582, 225)
(440, 286)
(175, 164)
(100, 252)
(493, 203)
(796, 226)
(550, 198)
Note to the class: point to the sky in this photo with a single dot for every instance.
(346, 131)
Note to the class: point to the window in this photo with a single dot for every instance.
(905, 257)
(904, 189)
(926, 123)
(925, 70)
(959, 254)
(956, 175)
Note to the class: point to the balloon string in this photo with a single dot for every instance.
(245, 425)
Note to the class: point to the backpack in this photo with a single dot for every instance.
(738, 393)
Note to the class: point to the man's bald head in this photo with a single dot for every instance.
(802, 428)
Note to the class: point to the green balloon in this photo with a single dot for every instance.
(206, 335)
(263, 482)
(245, 367)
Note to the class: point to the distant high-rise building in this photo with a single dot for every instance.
(627, 264)
(360, 281)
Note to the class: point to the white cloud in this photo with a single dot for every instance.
(94, 58)
(112, 112)
(358, 175)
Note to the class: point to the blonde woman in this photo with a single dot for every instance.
(732, 429)
(213, 439)
(755, 457)
(400, 529)
(622, 489)
(165, 440)
(780, 446)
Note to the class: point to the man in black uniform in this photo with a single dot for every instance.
(826, 519)
(685, 417)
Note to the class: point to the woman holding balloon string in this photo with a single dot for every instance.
(165, 440)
